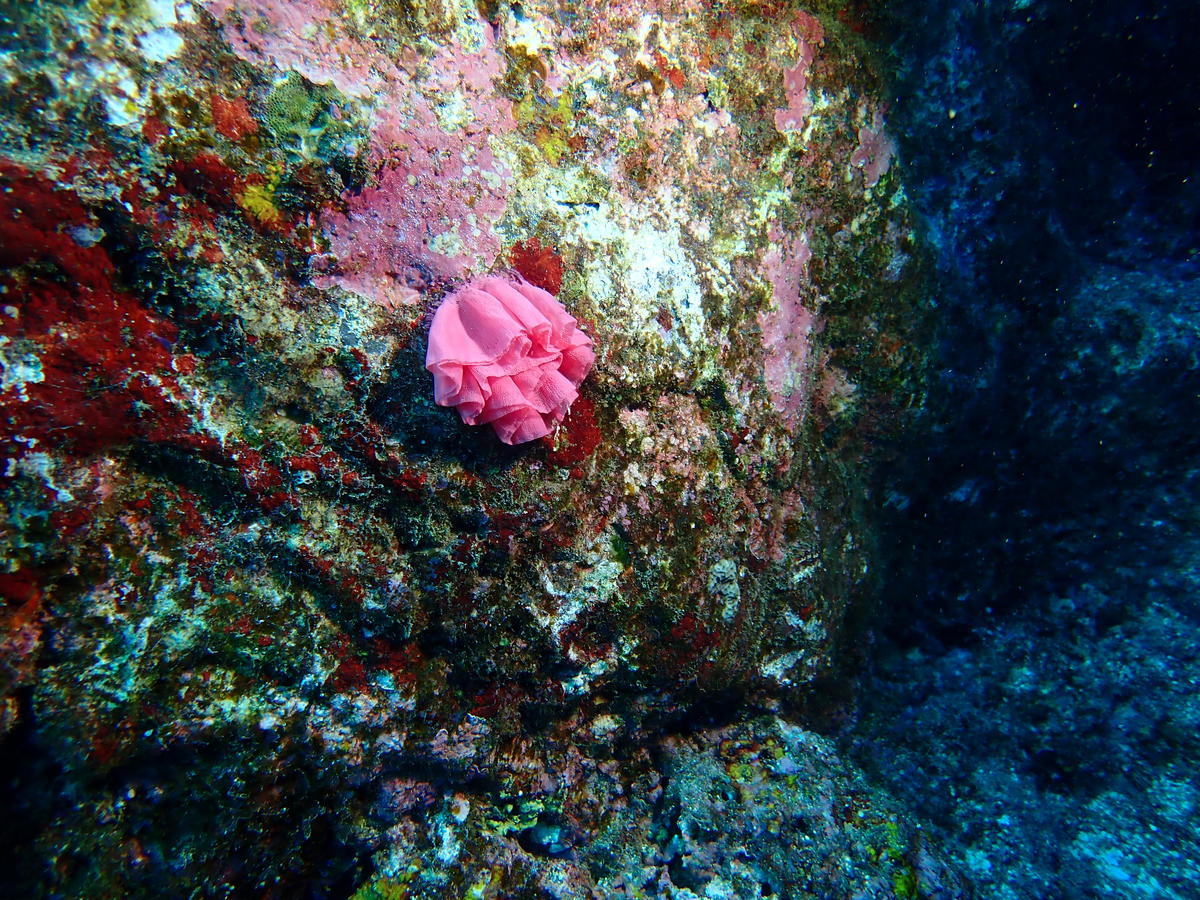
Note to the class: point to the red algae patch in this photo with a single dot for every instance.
(102, 375)
(541, 266)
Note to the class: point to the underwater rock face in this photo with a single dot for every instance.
(274, 619)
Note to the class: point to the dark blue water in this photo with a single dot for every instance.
(1035, 698)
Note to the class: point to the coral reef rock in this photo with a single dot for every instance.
(277, 625)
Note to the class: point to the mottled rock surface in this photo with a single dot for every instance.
(278, 625)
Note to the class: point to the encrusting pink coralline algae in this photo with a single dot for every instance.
(508, 354)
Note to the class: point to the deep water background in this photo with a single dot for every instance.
(1034, 693)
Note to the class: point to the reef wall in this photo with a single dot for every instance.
(277, 624)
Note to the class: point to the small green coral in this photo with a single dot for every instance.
(513, 817)
(300, 117)
(396, 888)
(553, 122)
